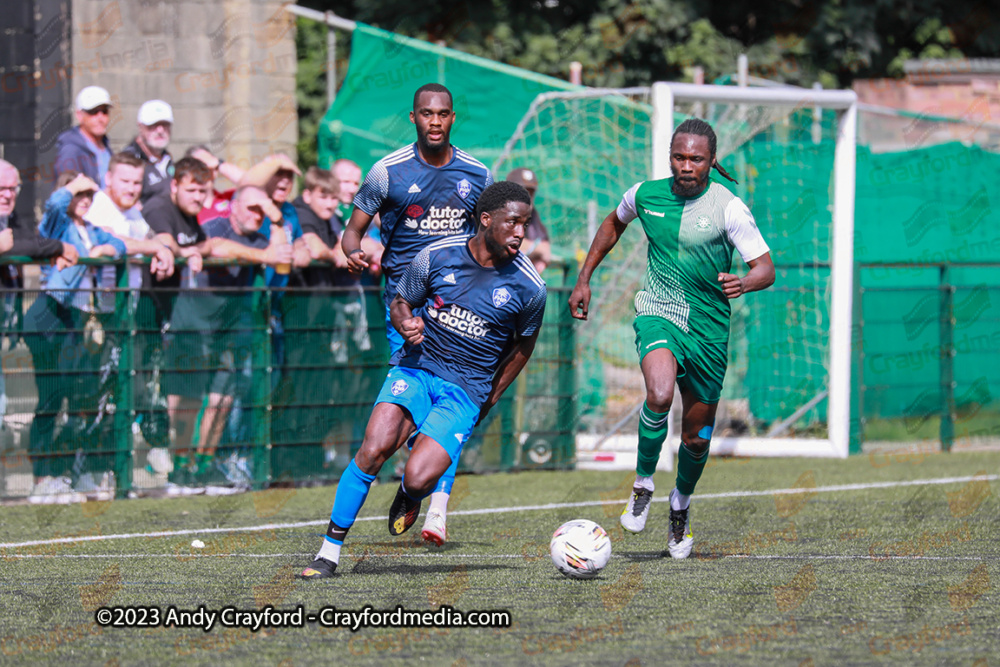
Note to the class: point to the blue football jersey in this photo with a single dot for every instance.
(471, 313)
(420, 204)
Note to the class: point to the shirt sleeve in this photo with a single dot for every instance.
(626, 209)
(530, 317)
(374, 191)
(56, 220)
(415, 285)
(742, 231)
(102, 238)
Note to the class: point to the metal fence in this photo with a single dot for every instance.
(297, 369)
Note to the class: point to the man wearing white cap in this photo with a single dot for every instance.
(85, 148)
(155, 121)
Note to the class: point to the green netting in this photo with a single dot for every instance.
(921, 198)
(370, 116)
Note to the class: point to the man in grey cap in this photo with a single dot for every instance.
(536, 238)
(85, 148)
(155, 121)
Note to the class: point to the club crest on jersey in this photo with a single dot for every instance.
(703, 223)
(464, 188)
(500, 297)
(398, 387)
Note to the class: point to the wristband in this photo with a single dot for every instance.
(354, 251)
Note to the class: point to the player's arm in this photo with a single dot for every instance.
(760, 276)
(411, 328)
(413, 290)
(607, 237)
(744, 235)
(350, 241)
(371, 196)
(508, 370)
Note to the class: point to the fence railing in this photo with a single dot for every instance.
(286, 376)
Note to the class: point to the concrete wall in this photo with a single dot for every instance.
(227, 68)
(974, 100)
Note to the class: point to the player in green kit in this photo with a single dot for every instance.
(693, 224)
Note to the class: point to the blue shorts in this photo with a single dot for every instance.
(441, 410)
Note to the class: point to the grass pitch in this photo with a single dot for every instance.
(855, 564)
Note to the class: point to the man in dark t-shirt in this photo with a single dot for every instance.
(209, 340)
(173, 217)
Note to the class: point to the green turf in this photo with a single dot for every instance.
(809, 590)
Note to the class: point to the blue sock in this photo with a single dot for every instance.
(351, 493)
(447, 479)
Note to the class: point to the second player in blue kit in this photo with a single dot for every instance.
(422, 193)
(469, 310)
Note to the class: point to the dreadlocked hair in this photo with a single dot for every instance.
(700, 128)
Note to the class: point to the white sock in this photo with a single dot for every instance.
(439, 503)
(679, 501)
(644, 483)
(329, 551)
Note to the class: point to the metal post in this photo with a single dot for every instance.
(564, 453)
(261, 365)
(331, 62)
(817, 126)
(857, 433)
(576, 72)
(125, 391)
(947, 329)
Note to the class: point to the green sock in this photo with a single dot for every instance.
(204, 462)
(181, 462)
(689, 467)
(652, 433)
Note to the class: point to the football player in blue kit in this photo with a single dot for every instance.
(469, 310)
(422, 192)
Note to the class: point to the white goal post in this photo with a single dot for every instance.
(664, 98)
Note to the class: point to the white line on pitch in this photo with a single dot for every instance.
(489, 556)
(503, 510)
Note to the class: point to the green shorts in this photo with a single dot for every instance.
(701, 365)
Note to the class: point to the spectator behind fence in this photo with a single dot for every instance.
(155, 122)
(208, 347)
(217, 204)
(19, 238)
(116, 211)
(348, 175)
(276, 175)
(536, 238)
(317, 333)
(85, 148)
(172, 216)
(63, 329)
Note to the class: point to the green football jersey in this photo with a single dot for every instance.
(691, 241)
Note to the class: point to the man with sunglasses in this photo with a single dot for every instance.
(85, 148)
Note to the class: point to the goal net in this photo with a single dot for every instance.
(787, 390)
